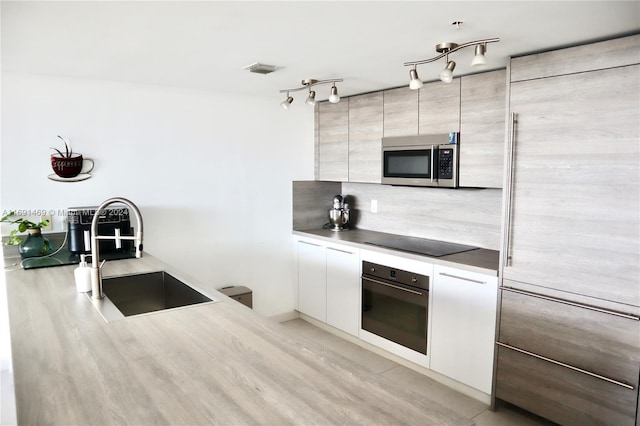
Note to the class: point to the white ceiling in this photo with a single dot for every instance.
(204, 45)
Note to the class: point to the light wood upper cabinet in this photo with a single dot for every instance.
(482, 129)
(400, 112)
(439, 107)
(588, 57)
(365, 135)
(333, 141)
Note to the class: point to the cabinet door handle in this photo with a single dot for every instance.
(462, 278)
(309, 244)
(506, 252)
(567, 302)
(341, 251)
(562, 364)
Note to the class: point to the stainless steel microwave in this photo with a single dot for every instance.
(423, 160)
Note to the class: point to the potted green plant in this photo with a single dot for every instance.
(35, 244)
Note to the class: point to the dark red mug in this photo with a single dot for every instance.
(70, 167)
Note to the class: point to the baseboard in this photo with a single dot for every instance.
(286, 316)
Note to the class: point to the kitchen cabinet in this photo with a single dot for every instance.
(349, 133)
(463, 326)
(329, 283)
(571, 363)
(365, 134)
(401, 112)
(343, 288)
(482, 129)
(312, 279)
(569, 329)
(576, 186)
(439, 108)
(333, 141)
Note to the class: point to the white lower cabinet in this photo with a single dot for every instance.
(461, 313)
(329, 283)
(312, 279)
(343, 288)
(463, 326)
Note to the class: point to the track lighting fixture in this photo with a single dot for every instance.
(415, 82)
(334, 98)
(311, 99)
(287, 102)
(444, 49)
(446, 75)
(479, 60)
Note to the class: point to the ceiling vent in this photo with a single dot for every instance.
(259, 68)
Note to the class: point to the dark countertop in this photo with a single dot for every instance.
(480, 260)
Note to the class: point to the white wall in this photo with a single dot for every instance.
(210, 172)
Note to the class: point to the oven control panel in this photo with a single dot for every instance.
(399, 276)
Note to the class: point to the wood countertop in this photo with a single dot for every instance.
(216, 363)
(483, 261)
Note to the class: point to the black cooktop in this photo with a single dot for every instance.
(427, 247)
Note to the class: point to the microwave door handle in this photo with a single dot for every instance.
(432, 162)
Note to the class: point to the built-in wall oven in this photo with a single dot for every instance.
(395, 305)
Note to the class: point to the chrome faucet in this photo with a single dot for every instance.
(96, 274)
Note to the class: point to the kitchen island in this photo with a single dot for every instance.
(214, 363)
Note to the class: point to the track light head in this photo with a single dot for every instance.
(415, 83)
(311, 99)
(446, 75)
(479, 59)
(334, 98)
(287, 102)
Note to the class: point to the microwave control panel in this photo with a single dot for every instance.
(446, 157)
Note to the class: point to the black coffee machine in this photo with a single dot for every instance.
(111, 221)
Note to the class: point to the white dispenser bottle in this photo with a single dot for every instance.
(83, 275)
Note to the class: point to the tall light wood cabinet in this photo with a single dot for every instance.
(571, 258)
(365, 137)
(333, 141)
(482, 129)
(400, 112)
(576, 184)
(439, 107)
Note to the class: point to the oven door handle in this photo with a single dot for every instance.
(393, 286)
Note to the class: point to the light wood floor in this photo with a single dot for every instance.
(416, 382)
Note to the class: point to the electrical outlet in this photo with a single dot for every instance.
(374, 206)
(48, 217)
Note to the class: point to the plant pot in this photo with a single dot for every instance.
(35, 244)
